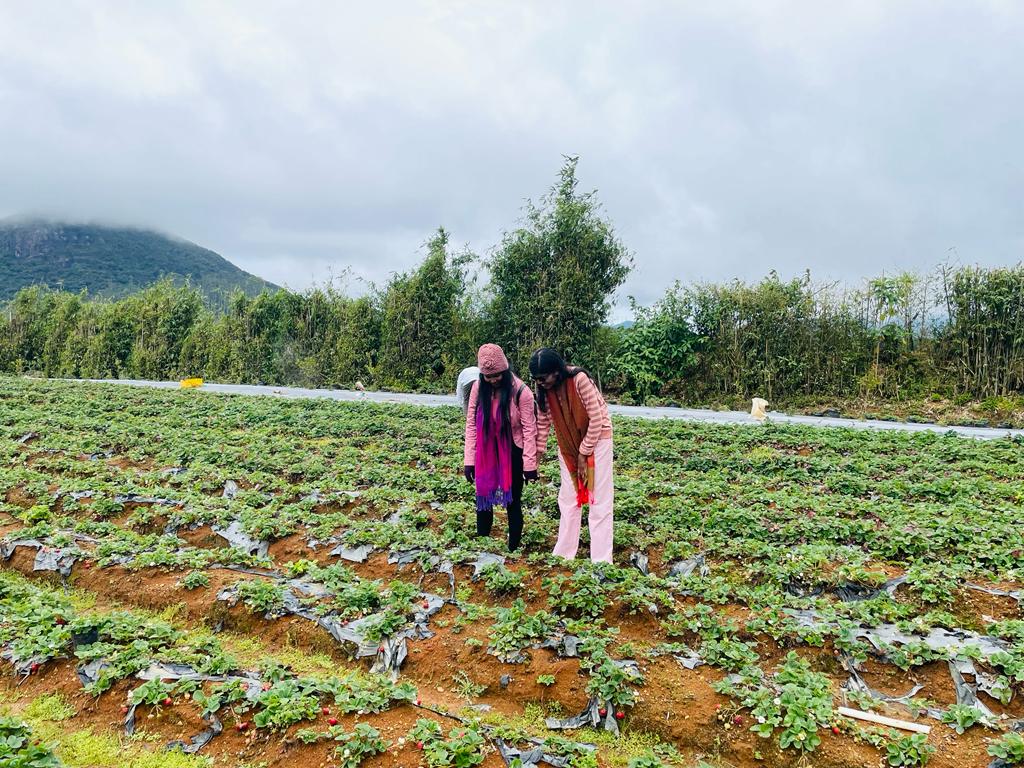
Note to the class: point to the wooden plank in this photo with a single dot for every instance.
(871, 717)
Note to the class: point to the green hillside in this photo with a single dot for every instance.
(109, 261)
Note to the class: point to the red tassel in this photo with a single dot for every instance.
(583, 494)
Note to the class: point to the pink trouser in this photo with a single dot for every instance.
(599, 517)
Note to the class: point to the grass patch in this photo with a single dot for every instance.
(253, 652)
(50, 707)
(86, 749)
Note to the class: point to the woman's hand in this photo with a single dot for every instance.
(581, 470)
(470, 473)
(530, 476)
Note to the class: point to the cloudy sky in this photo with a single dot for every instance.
(725, 139)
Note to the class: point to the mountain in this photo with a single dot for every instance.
(109, 261)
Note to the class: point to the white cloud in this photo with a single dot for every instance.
(725, 139)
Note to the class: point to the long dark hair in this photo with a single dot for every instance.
(485, 395)
(547, 360)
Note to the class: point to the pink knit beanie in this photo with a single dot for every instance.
(491, 360)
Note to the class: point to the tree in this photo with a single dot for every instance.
(423, 336)
(553, 278)
(660, 347)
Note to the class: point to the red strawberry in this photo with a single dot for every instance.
(738, 720)
(87, 564)
(835, 729)
(332, 721)
(243, 726)
(167, 701)
(34, 668)
(380, 649)
(426, 605)
(61, 621)
(326, 711)
(619, 715)
(602, 711)
(419, 745)
(418, 701)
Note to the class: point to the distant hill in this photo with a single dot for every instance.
(109, 261)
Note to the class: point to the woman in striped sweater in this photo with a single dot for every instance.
(568, 400)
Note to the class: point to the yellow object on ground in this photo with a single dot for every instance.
(189, 383)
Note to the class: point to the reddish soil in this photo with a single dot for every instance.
(202, 537)
(182, 720)
(676, 704)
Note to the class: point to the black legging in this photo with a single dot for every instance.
(485, 519)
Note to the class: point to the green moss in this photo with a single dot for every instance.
(86, 749)
(82, 601)
(253, 652)
(51, 707)
(617, 751)
(172, 759)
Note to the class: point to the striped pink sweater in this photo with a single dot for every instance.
(600, 427)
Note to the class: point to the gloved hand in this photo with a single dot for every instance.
(530, 476)
(470, 473)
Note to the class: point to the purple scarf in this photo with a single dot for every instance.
(493, 462)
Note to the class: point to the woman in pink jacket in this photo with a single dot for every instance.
(501, 442)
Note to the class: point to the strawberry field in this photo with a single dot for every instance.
(193, 579)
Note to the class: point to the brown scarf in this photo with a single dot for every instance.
(571, 420)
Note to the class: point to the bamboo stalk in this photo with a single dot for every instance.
(871, 717)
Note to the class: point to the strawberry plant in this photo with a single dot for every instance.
(908, 751)
(960, 717)
(287, 702)
(515, 628)
(364, 741)
(499, 580)
(366, 693)
(582, 594)
(612, 683)
(644, 594)
(425, 731)
(1009, 748)
(395, 614)
(154, 693)
(648, 760)
(230, 694)
(261, 595)
(463, 748)
(309, 736)
(795, 699)
(728, 653)
(195, 580)
(18, 748)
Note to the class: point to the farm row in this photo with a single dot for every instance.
(261, 581)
